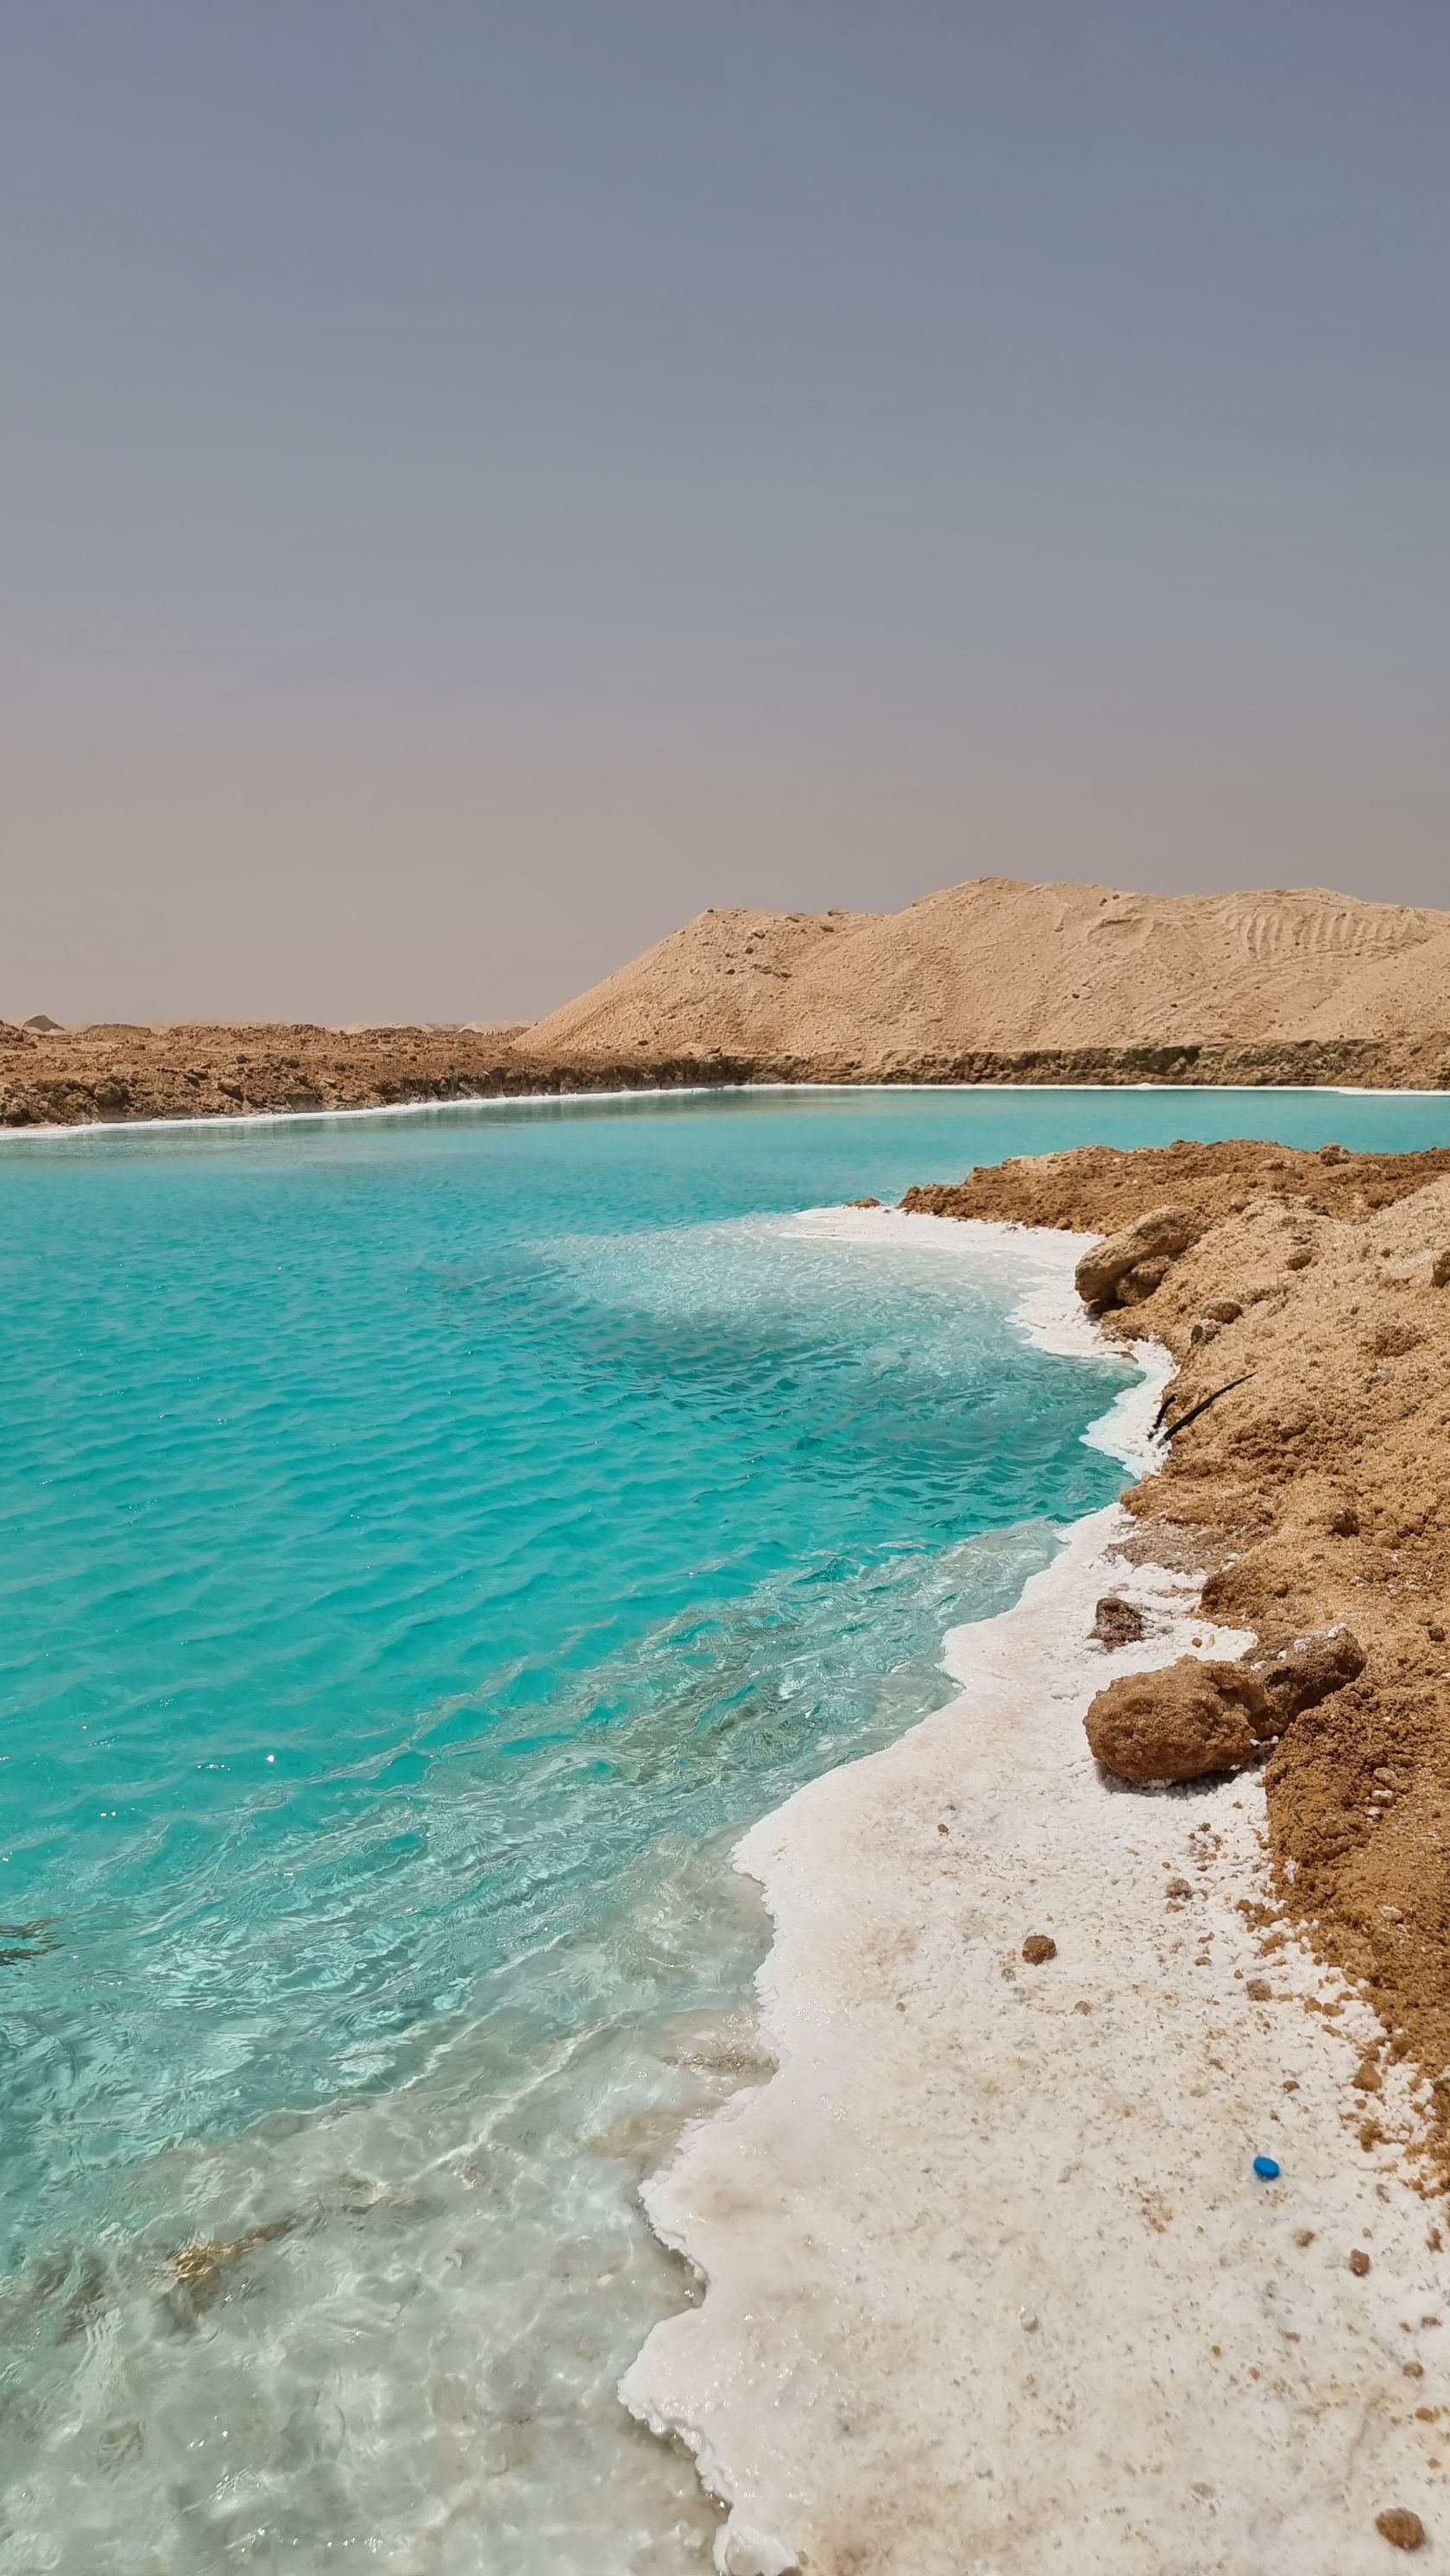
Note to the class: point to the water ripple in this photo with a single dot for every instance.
(420, 1549)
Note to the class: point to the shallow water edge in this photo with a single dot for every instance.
(989, 2279)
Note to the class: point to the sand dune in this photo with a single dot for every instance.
(987, 982)
(997, 965)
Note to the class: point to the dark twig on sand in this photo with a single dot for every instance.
(1172, 1429)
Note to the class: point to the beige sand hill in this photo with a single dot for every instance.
(987, 982)
(729, 983)
(995, 965)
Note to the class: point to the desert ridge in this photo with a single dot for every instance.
(1008, 967)
(991, 981)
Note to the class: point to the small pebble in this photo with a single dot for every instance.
(1266, 2169)
(1037, 1947)
(1359, 2262)
(1401, 2528)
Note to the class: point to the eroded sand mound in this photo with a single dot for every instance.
(994, 965)
(726, 984)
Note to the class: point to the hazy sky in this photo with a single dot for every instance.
(482, 482)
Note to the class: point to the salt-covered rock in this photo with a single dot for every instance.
(748, 2552)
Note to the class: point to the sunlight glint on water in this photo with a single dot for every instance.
(425, 1545)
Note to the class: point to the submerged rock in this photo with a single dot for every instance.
(1180, 1722)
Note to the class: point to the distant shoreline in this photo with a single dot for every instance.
(106, 1076)
(246, 1118)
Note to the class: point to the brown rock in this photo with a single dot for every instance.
(1180, 1722)
(1039, 1947)
(1401, 2528)
(1223, 1310)
(1142, 1281)
(1159, 1235)
(1119, 1622)
(1359, 2262)
(1304, 1673)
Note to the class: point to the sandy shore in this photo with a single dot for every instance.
(1312, 1490)
(993, 2286)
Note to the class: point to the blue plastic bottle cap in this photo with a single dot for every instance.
(1266, 2169)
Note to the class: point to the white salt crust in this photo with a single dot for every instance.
(992, 2287)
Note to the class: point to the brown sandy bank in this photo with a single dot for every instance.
(1316, 1491)
(76, 1077)
(73, 1077)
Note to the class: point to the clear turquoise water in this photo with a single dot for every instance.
(423, 1542)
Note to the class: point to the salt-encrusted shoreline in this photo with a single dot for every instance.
(993, 2288)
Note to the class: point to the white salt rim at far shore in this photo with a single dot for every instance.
(229, 1118)
(993, 2288)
